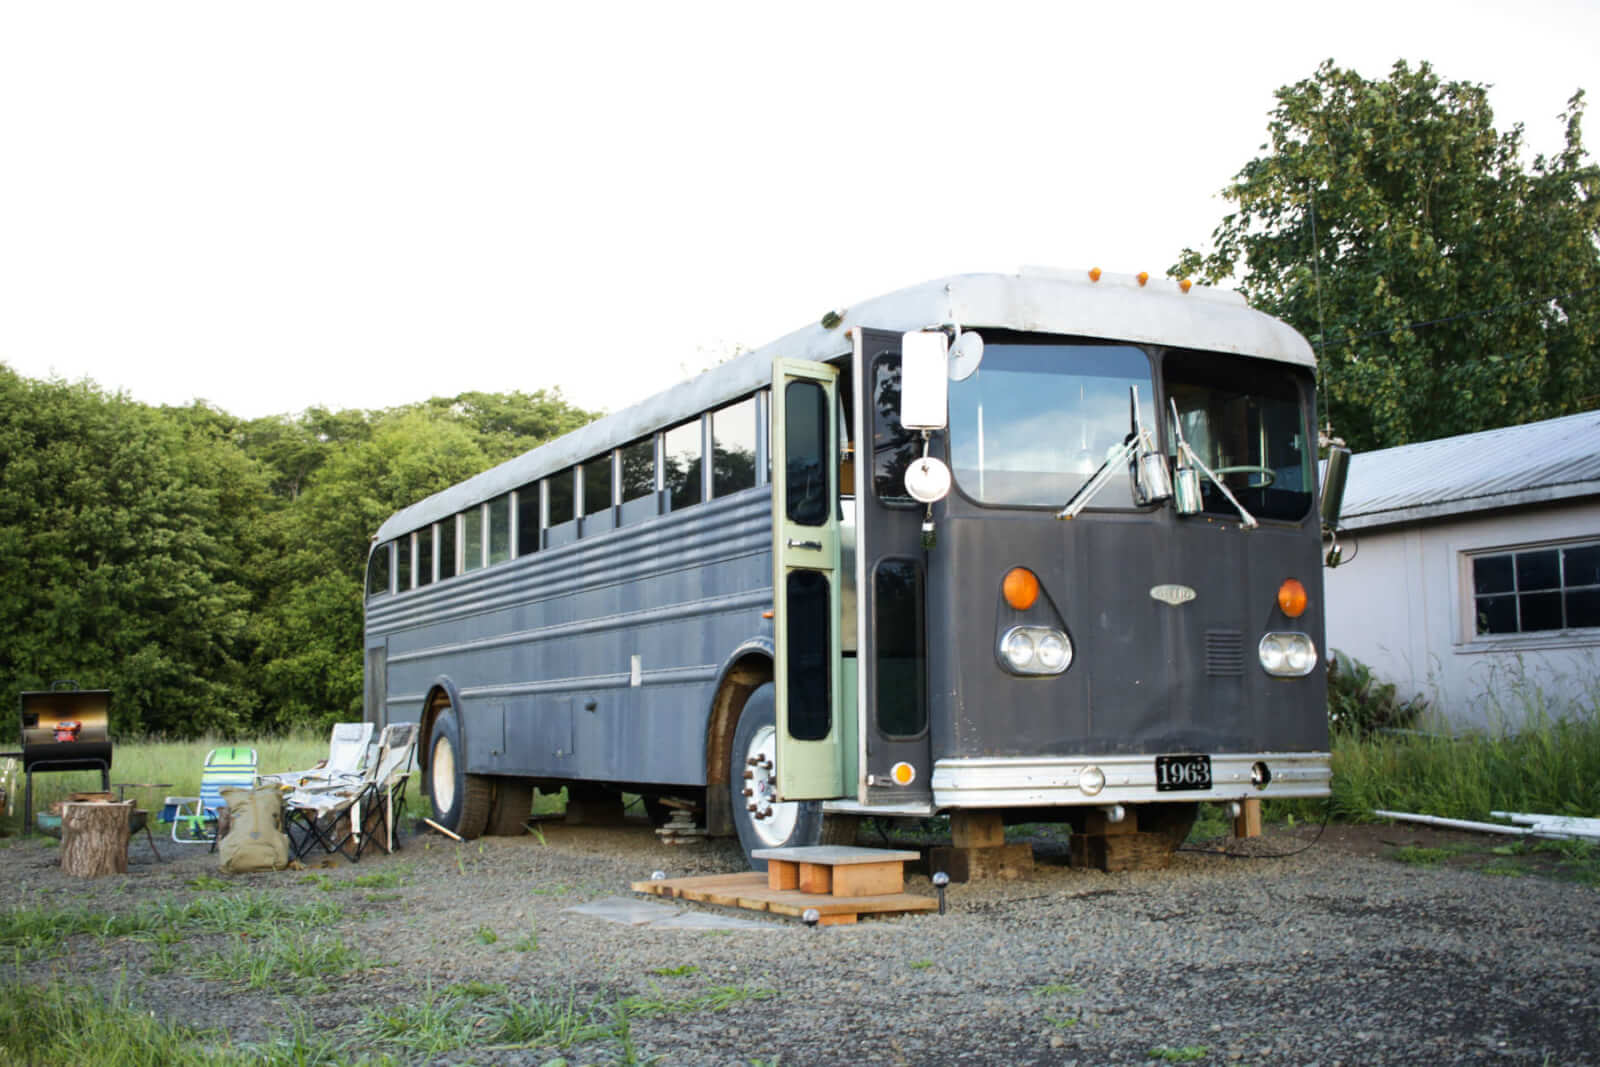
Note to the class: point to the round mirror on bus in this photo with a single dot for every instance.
(965, 355)
(927, 480)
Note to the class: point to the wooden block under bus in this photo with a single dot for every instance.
(1005, 862)
(782, 874)
(977, 829)
(1248, 823)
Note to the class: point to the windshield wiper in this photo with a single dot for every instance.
(1189, 454)
(1151, 482)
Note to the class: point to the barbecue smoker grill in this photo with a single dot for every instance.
(64, 729)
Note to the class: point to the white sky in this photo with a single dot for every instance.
(273, 206)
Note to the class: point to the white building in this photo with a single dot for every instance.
(1471, 571)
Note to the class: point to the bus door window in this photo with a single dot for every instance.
(808, 458)
(897, 622)
(893, 446)
(733, 445)
(681, 477)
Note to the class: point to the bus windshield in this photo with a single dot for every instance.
(1245, 420)
(1036, 419)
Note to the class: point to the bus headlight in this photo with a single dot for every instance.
(1035, 650)
(1287, 655)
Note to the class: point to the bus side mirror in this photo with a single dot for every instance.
(1333, 479)
(924, 380)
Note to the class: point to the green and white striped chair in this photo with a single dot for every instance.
(194, 819)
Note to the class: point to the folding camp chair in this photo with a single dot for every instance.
(346, 762)
(194, 819)
(345, 817)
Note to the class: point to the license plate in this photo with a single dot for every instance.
(1174, 773)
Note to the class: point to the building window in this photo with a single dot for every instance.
(1536, 589)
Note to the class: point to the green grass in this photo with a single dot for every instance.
(1181, 1054)
(35, 933)
(296, 960)
(1549, 766)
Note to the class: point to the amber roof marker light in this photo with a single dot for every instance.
(1020, 587)
(1292, 598)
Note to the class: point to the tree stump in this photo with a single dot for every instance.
(94, 839)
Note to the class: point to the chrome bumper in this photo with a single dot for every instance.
(1040, 783)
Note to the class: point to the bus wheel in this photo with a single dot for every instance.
(460, 800)
(761, 821)
(511, 809)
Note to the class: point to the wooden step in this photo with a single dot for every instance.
(749, 890)
(837, 870)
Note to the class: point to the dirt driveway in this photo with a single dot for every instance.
(455, 953)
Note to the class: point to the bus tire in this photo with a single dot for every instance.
(511, 807)
(460, 800)
(779, 825)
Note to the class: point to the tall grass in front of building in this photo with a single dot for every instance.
(1540, 757)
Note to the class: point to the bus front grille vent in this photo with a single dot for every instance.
(1224, 653)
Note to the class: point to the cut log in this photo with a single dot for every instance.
(94, 839)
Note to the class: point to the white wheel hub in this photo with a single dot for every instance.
(773, 820)
(442, 775)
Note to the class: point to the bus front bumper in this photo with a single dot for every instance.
(1022, 782)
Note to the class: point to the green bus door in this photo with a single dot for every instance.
(805, 580)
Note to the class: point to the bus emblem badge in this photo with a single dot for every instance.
(1172, 594)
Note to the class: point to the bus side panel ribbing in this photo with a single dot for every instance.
(543, 649)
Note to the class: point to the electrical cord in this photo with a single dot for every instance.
(1327, 813)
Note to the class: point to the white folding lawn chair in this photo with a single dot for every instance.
(346, 763)
(344, 816)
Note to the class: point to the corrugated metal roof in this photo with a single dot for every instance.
(1556, 459)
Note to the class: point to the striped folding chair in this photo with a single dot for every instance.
(195, 818)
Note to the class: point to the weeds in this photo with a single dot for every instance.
(1183, 1054)
(483, 935)
(267, 963)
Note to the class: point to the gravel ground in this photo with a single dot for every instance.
(1337, 955)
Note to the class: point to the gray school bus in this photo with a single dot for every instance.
(1037, 544)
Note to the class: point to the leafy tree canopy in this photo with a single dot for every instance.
(208, 569)
(1447, 286)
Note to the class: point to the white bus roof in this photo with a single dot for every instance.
(1034, 300)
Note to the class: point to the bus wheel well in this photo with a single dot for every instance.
(741, 679)
(438, 700)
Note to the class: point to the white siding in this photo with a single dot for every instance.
(1404, 607)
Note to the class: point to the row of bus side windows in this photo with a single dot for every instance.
(662, 473)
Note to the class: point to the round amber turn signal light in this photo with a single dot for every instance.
(1021, 588)
(1292, 598)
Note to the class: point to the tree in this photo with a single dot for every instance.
(121, 563)
(1446, 287)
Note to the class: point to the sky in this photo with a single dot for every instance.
(270, 207)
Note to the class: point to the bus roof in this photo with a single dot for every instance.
(1034, 300)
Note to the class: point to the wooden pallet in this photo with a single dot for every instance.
(749, 890)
